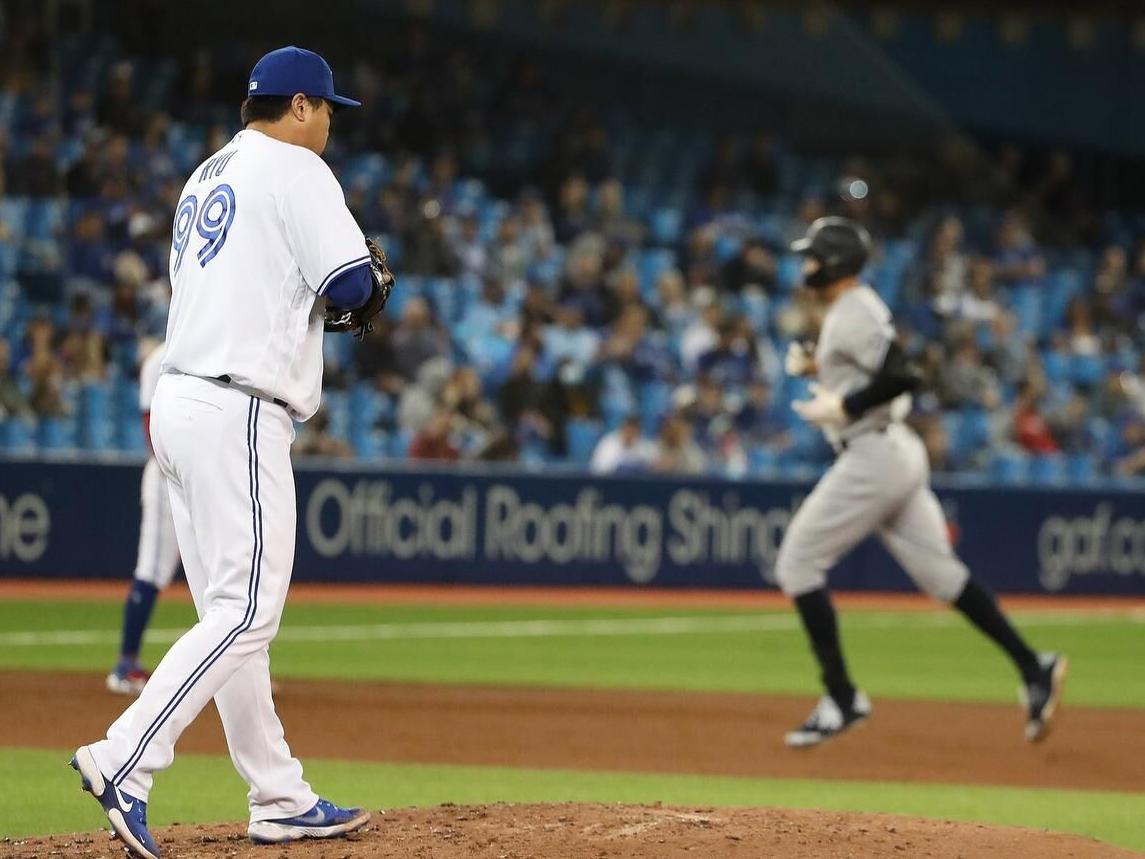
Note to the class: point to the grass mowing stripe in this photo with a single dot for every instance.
(206, 789)
(571, 628)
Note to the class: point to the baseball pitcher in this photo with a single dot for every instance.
(264, 251)
(879, 484)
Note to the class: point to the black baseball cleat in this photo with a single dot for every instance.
(827, 720)
(1041, 695)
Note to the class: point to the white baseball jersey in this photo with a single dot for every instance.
(853, 343)
(157, 557)
(260, 231)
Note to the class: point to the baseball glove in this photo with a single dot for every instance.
(359, 319)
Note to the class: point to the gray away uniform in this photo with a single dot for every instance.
(880, 482)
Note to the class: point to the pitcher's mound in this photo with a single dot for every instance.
(571, 831)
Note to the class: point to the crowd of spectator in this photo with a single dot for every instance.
(573, 286)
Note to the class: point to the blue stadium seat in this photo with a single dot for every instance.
(757, 308)
(790, 271)
(52, 434)
(45, 219)
(650, 265)
(654, 401)
(1057, 366)
(18, 435)
(667, 226)
(94, 425)
(1048, 469)
(397, 444)
(583, 436)
(446, 297)
(1081, 468)
(762, 461)
(727, 246)
(1087, 370)
(1027, 307)
(1010, 467)
(411, 286)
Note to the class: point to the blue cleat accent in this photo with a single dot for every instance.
(324, 820)
(128, 815)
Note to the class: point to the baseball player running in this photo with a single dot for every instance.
(157, 558)
(264, 250)
(878, 485)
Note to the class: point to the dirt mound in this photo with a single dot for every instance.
(572, 831)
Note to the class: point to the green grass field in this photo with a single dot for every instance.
(907, 655)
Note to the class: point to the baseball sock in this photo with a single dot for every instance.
(818, 616)
(136, 614)
(982, 610)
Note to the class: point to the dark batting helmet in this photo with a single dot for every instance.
(839, 245)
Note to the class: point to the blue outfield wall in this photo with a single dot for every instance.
(81, 520)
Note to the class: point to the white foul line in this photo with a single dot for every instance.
(579, 627)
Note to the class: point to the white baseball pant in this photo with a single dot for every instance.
(226, 457)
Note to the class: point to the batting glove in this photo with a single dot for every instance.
(824, 409)
(800, 361)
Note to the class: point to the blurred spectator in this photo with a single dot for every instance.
(1009, 352)
(569, 339)
(37, 175)
(631, 348)
(433, 440)
(507, 253)
(583, 282)
(1069, 424)
(376, 360)
(427, 247)
(610, 218)
(675, 311)
(676, 451)
(624, 450)
(760, 420)
(492, 314)
(1031, 429)
(943, 272)
(80, 346)
(1083, 339)
(42, 370)
(1017, 257)
(537, 237)
(13, 403)
(937, 442)
(314, 439)
(417, 338)
(754, 265)
(420, 400)
(735, 358)
(90, 256)
(703, 335)
(118, 109)
(966, 381)
(472, 255)
(978, 304)
(462, 395)
(1129, 454)
(574, 216)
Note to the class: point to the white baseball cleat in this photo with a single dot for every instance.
(828, 720)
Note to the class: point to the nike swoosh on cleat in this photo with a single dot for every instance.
(315, 817)
(119, 801)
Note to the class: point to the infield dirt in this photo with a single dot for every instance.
(567, 831)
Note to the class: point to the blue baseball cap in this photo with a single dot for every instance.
(290, 70)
